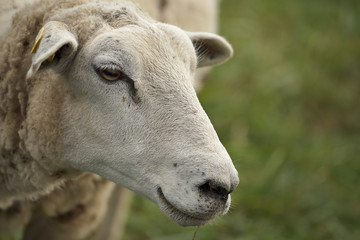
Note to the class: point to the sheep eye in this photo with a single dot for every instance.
(110, 74)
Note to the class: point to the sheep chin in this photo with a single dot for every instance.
(177, 215)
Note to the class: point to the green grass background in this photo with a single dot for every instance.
(287, 109)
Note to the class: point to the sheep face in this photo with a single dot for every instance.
(132, 116)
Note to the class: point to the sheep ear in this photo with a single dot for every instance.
(211, 49)
(54, 47)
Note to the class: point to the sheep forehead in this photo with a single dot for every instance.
(87, 17)
(110, 12)
(149, 44)
(126, 22)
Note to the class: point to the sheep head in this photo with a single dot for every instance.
(131, 114)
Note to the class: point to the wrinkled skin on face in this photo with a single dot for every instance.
(132, 116)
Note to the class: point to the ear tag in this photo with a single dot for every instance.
(37, 41)
(51, 58)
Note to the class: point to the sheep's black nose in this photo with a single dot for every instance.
(214, 190)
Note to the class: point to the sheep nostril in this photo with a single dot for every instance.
(222, 192)
(214, 191)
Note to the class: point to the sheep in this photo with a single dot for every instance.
(73, 111)
(191, 15)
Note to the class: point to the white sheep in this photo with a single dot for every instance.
(109, 91)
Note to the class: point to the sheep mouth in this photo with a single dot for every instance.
(177, 215)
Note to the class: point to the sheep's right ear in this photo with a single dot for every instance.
(211, 49)
(54, 47)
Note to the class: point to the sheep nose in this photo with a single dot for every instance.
(215, 190)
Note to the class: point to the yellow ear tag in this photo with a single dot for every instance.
(37, 41)
(51, 58)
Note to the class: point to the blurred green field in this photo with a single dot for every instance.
(287, 109)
